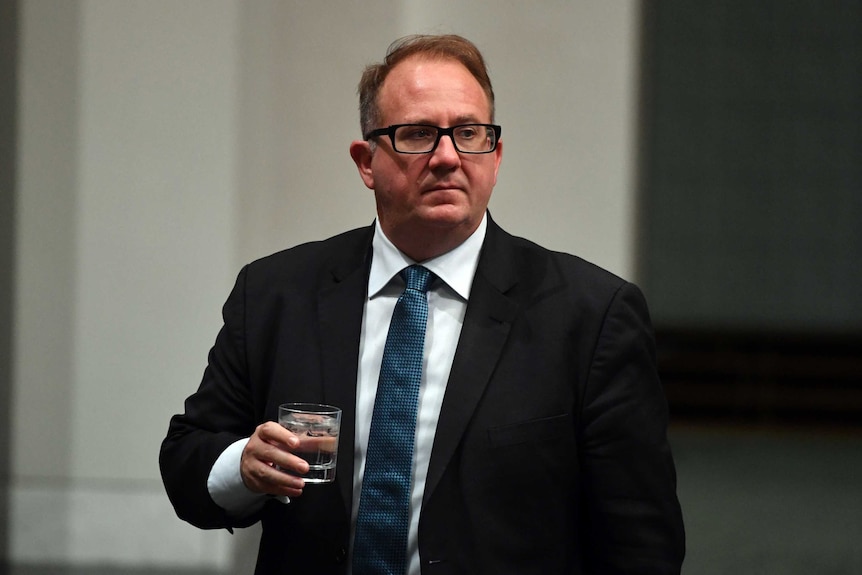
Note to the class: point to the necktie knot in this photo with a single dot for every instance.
(416, 277)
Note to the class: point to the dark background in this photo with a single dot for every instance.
(750, 247)
(8, 107)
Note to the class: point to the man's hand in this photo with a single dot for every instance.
(267, 463)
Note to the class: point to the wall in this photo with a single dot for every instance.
(8, 108)
(751, 197)
(162, 144)
(125, 237)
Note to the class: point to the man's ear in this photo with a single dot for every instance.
(360, 151)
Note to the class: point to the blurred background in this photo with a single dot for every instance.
(708, 151)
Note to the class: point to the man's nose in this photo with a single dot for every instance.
(445, 153)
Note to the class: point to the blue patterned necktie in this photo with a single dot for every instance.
(380, 544)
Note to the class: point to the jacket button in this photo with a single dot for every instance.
(341, 555)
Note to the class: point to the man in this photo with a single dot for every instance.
(540, 434)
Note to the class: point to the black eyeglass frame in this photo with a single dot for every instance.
(450, 131)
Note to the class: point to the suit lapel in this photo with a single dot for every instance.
(341, 302)
(486, 328)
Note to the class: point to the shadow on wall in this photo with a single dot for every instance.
(8, 106)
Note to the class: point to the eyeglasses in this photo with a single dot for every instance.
(423, 139)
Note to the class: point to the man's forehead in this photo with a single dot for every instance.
(420, 66)
(420, 74)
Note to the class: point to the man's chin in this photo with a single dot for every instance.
(445, 216)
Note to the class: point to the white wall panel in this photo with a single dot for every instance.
(163, 144)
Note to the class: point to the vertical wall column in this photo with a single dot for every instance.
(124, 251)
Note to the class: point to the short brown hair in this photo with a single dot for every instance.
(444, 47)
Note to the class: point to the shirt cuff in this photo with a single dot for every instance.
(226, 487)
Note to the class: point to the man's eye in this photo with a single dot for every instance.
(419, 134)
(467, 133)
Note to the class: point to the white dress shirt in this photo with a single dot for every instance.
(447, 305)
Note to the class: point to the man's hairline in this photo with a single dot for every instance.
(430, 57)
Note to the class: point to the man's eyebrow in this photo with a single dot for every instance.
(468, 119)
(465, 119)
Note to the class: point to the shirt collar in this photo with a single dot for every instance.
(456, 267)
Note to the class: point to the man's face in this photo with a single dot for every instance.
(437, 198)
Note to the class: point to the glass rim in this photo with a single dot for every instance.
(309, 407)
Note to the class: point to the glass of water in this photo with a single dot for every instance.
(317, 428)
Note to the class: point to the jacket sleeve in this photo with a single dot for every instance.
(632, 520)
(219, 413)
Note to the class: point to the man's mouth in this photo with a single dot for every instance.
(443, 187)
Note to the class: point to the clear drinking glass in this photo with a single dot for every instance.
(317, 427)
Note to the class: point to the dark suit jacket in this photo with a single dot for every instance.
(550, 455)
